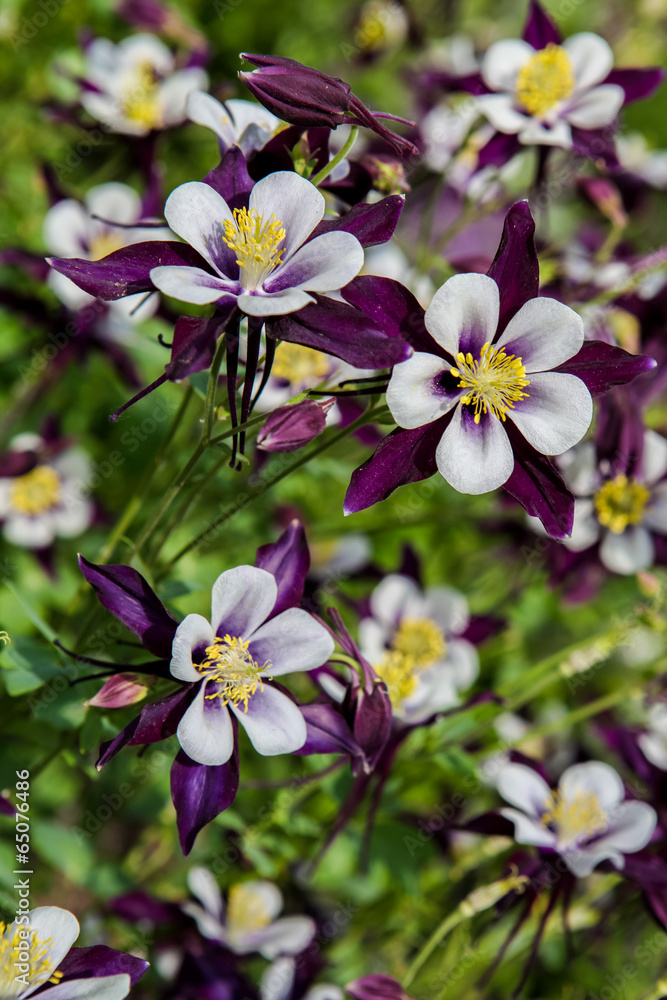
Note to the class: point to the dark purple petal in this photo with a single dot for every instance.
(339, 329)
(601, 366)
(402, 457)
(125, 593)
(194, 342)
(288, 560)
(373, 718)
(393, 308)
(637, 83)
(436, 80)
(138, 905)
(539, 487)
(292, 426)
(539, 29)
(17, 463)
(231, 178)
(157, 721)
(498, 151)
(6, 807)
(328, 732)
(515, 268)
(371, 224)
(376, 987)
(597, 144)
(88, 963)
(127, 271)
(200, 792)
(482, 627)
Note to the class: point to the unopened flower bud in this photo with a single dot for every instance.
(291, 427)
(119, 691)
(605, 196)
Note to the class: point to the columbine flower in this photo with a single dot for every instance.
(48, 501)
(45, 937)
(87, 231)
(259, 255)
(241, 123)
(234, 658)
(653, 743)
(134, 88)
(585, 819)
(413, 640)
(249, 922)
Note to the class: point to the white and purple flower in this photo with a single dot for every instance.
(585, 819)
(653, 742)
(241, 123)
(262, 257)
(233, 659)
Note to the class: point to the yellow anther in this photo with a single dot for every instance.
(229, 664)
(15, 944)
(544, 80)
(620, 502)
(36, 492)
(577, 818)
(300, 365)
(496, 382)
(257, 244)
(140, 100)
(246, 910)
(417, 645)
(104, 244)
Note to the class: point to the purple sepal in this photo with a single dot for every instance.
(327, 731)
(156, 721)
(288, 560)
(539, 30)
(6, 807)
(483, 627)
(400, 458)
(601, 366)
(376, 987)
(539, 487)
(231, 178)
(371, 224)
(127, 271)
(201, 792)
(98, 961)
(138, 905)
(491, 824)
(337, 328)
(515, 268)
(596, 144)
(294, 425)
(393, 308)
(637, 83)
(124, 592)
(17, 463)
(498, 151)
(194, 342)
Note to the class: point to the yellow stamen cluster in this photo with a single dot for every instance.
(104, 244)
(230, 665)
(257, 244)
(36, 492)
(417, 644)
(496, 382)
(544, 80)
(620, 502)
(577, 818)
(140, 101)
(14, 945)
(300, 365)
(246, 910)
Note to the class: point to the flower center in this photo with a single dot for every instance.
(140, 101)
(246, 910)
(104, 244)
(231, 667)
(18, 950)
(621, 502)
(496, 381)
(575, 819)
(300, 365)
(257, 244)
(544, 80)
(36, 492)
(417, 644)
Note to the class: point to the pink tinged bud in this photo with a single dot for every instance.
(376, 987)
(291, 427)
(119, 691)
(605, 196)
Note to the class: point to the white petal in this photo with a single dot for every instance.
(585, 528)
(523, 787)
(294, 201)
(435, 692)
(654, 748)
(464, 313)
(656, 512)
(527, 830)
(287, 936)
(191, 284)
(592, 59)
(73, 518)
(593, 777)
(632, 827)
(463, 660)
(579, 468)
(389, 599)
(414, 396)
(135, 50)
(502, 114)
(325, 264)
(173, 93)
(557, 413)
(241, 600)
(95, 988)
(654, 457)
(197, 214)
(629, 552)
(60, 928)
(273, 722)
(277, 980)
(291, 641)
(203, 885)
(372, 637)
(114, 201)
(278, 304)
(205, 731)
(448, 608)
(210, 926)
(66, 229)
(596, 108)
(205, 110)
(193, 631)
(247, 113)
(544, 333)
(67, 291)
(535, 133)
(583, 860)
(502, 62)
(474, 458)
(6, 486)
(29, 532)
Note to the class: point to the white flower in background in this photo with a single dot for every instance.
(86, 229)
(389, 261)
(541, 94)
(585, 819)
(242, 123)
(382, 24)
(50, 501)
(636, 156)
(47, 939)
(277, 983)
(339, 557)
(249, 922)
(653, 743)
(233, 658)
(444, 130)
(260, 255)
(413, 640)
(488, 381)
(138, 87)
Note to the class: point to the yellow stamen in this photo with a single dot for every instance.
(620, 502)
(230, 665)
(257, 244)
(36, 492)
(417, 645)
(21, 945)
(544, 80)
(400, 674)
(104, 244)
(246, 910)
(496, 381)
(300, 365)
(576, 819)
(140, 100)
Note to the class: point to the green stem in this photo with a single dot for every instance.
(335, 160)
(211, 390)
(231, 431)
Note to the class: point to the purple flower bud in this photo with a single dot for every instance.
(119, 691)
(291, 427)
(376, 987)
(303, 96)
